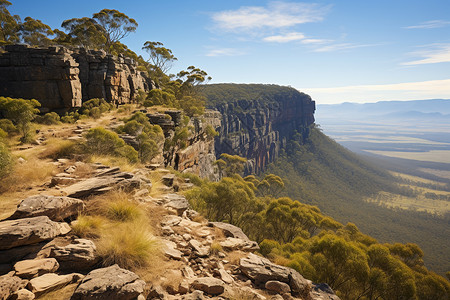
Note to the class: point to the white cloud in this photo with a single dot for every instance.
(224, 52)
(429, 24)
(342, 46)
(315, 41)
(289, 37)
(371, 93)
(437, 53)
(275, 15)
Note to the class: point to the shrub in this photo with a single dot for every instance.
(210, 132)
(3, 134)
(5, 159)
(95, 108)
(56, 148)
(128, 245)
(50, 118)
(104, 142)
(20, 112)
(7, 126)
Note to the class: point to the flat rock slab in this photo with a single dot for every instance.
(51, 281)
(15, 233)
(239, 244)
(35, 267)
(91, 186)
(199, 249)
(80, 255)
(56, 208)
(209, 285)
(230, 230)
(109, 283)
(260, 270)
(23, 294)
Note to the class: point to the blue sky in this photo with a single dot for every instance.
(336, 51)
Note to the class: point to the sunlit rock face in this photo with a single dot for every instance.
(258, 130)
(61, 79)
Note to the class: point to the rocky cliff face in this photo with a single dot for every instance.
(257, 130)
(60, 79)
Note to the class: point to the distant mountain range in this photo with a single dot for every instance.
(433, 109)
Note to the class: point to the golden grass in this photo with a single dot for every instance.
(215, 248)
(26, 175)
(88, 226)
(130, 245)
(58, 148)
(123, 210)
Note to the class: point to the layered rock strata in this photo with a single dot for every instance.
(257, 130)
(61, 79)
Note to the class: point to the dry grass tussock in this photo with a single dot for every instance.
(27, 174)
(121, 229)
(58, 148)
(130, 245)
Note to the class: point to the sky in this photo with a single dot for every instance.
(335, 51)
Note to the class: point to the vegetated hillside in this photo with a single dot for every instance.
(323, 173)
(226, 92)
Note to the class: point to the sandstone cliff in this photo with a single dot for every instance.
(60, 78)
(258, 130)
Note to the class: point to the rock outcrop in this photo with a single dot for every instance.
(257, 130)
(61, 79)
(49, 75)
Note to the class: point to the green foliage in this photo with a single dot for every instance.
(230, 164)
(115, 26)
(160, 97)
(9, 25)
(263, 93)
(95, 107)
(7, 126)
(20, 112)
(160, 57)
(147, 135)
(323, 173)
(100, 141)
(210, 132)
(5, 159)
(83, 32)
(50, 118)
(320, 248)
(36, 33)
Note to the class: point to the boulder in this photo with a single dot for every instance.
(169, 249)
(10, 284)
(260, 270)
(56, 208)
(51, 281)
(14, 233)
(80, 255)
(209, 285)
(230, 230)
(239, 244)
(198, 248)
(35, 267)
(176, 202)
(22, 294)
(277, 287)
(323, 291)
(109, 283)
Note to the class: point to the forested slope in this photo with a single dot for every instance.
(323, 173)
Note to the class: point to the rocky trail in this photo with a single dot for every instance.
(42, 257)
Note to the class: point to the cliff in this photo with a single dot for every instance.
(258, 120)
(61, 79)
